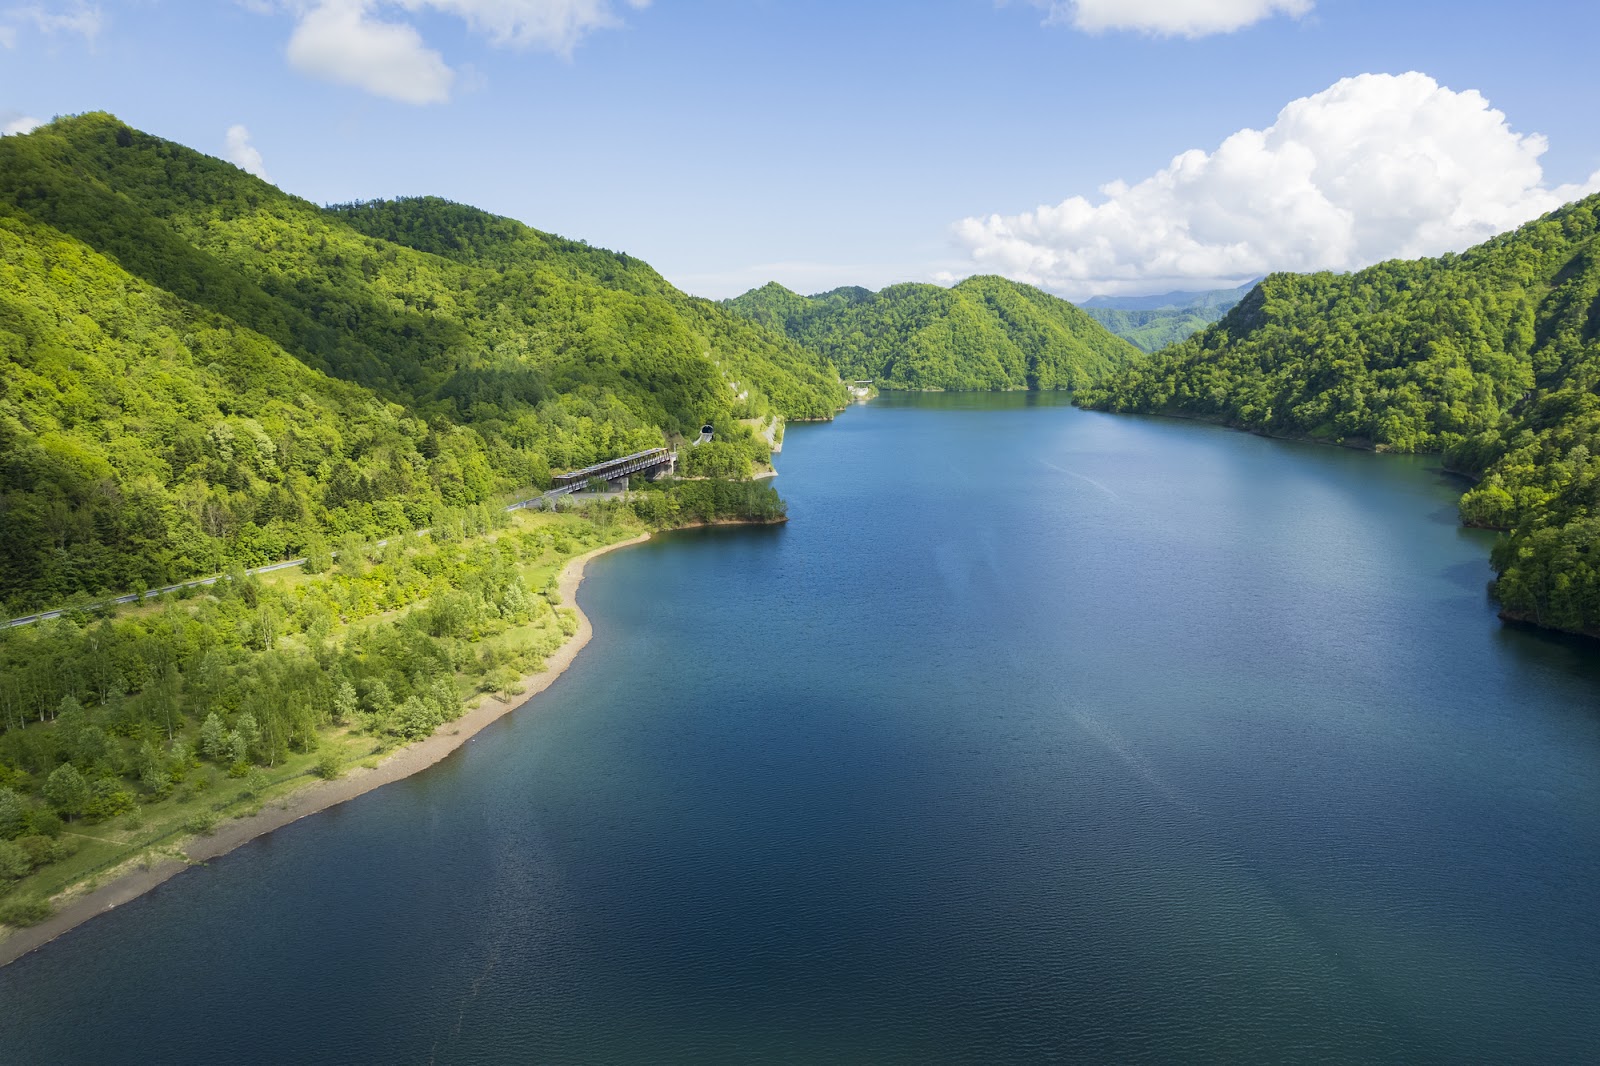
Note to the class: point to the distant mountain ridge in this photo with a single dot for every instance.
(985, 333)
(1153, 322)
(1184, 298)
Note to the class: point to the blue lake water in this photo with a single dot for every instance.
(1036, 735)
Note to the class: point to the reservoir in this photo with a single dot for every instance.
(1036, 735)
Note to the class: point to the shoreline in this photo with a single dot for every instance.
(318, 797)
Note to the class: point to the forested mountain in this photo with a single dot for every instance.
(986, 333)
(201, 371)
(1153, 322)
(1491, 357)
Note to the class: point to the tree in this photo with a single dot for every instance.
(67, 791)
(415, 719)
(238, 753)
(352, 555)
(162, 697)
(152, 770)
(214, 738)
(13, 814)
(345, 704)
(250, 733)
(318, 555)
(379, 701)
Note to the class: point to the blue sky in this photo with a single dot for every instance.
(730, 142)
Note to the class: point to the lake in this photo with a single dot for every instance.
(1036, 735)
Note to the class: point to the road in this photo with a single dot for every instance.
(538, 502)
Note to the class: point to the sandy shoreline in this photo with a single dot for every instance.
(400, 764)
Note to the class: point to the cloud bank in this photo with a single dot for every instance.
(1376, 167)
(244, 155)
(349, 42)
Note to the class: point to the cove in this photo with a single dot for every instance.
(1036, 733)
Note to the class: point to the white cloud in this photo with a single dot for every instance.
(340, 41)
(24, 124)
(85, 20)
(243, 154)
(348, 41)
(8, 37)
(557, 25)
(1168, 18)
(1377, 166)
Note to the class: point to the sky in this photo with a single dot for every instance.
(1085, 146)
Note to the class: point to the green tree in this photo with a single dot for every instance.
(345, 704)
(214, 743)
(238, 753)
(67, 791)
(318, 555)
(250, 733)
(13, 814)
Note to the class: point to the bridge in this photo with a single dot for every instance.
(613, 470)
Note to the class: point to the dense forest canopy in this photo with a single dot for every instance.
(986, 334)
(1491, 357)
(202, 371)
(1150, 323)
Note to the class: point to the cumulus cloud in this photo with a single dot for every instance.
(1167, 18)
(21, 124)
(1377, 166)
(243, 154)
(340, 41)
(351, 42)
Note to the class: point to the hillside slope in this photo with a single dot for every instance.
(202, 371)
(1491, 357)
(986, 333)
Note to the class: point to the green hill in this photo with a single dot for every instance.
(984, 334)
(1491, 357)
(1153, 322)
(202, 371)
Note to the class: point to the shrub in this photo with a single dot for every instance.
(255, 783)
(41, 849)
(29, 910)
(14, 862)
(329, 765)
